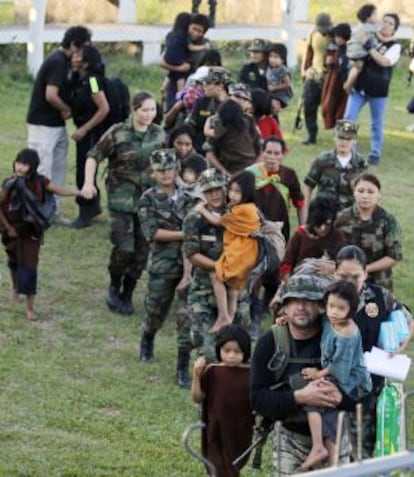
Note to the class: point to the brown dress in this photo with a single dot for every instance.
(228, 416)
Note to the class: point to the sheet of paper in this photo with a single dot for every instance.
(382, 363)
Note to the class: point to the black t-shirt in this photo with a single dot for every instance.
(83, 105)
(53, 72)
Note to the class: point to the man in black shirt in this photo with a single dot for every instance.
(50, 106)
(301, 301)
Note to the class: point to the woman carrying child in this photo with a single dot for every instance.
(240, 252)
(21, 236)
(223, 390)
(342, 359)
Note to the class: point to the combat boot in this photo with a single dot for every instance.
(113, 294)
(125, 299)
(84, 218)
(183, 361)
(146, 349)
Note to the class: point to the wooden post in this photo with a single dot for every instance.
(127, 11)
(288, 30)
(35, 51)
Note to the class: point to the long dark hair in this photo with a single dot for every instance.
(29, 157)
(351, 252)
(231, 116)
(234, 333)
(181, 23)
(91, 55)
(246, 180)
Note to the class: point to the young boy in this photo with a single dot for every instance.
(364, 33)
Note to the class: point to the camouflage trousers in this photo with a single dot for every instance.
(158, 300)
(130, 249)
(203, 312)
(294, 448)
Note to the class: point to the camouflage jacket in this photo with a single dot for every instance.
(157, 210)
(201, 237)
(378, 237)
(128, 153)
(332, 179)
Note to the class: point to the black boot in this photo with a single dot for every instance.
(146, 349)
(183, 361)
(125, 305)
(113, 294)
(84, 218)
(95, 208)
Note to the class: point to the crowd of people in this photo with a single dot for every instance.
(190, 193)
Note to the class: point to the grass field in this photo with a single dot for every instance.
(74, 401)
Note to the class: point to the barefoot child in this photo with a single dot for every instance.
(240, 250)
(223, 390)
(364, 33)
(20, 235)
(342, 359)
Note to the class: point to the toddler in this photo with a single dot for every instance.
(342, 360)
(223, 390)
(240, 252)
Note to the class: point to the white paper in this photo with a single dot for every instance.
(382, 363)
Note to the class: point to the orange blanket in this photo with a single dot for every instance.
(241, 251)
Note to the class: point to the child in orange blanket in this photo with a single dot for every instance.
(240, 252)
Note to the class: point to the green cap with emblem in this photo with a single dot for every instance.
(240, 90)
(218, 75)
(163, 159)
(308, 287)
(259, 44)
(346, 129)
(211, 179)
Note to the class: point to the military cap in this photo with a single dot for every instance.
(218, 75)
(259, 45)
(323, 22)
(309, 287)
(211, 179)
(240, 90)
(346, 129)
(162, 159)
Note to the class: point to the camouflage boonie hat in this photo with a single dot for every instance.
(162, 159)
(346, 129)
(323, 22)
(211, 179)
(259, 45)
(303, 286)
(240, 90)
(218, 75)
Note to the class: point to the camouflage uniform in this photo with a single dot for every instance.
(278, 404)
(378, 237)
(201, 237)
(158, 210)
(334, 180)
(128, 177)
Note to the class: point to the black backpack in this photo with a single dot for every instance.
(117, 95)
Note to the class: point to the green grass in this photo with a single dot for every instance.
(73, 399)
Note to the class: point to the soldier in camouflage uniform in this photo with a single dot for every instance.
(161, 210)
(334, 172)
(373, 229)
(376, 303)
(203, 244)
(127, 147)
(301, 300)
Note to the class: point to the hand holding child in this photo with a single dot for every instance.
(310, 373)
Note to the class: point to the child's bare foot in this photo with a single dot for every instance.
(14, 296)
(183, 284)
(220, 322)
(316, 455)
(30, 316)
